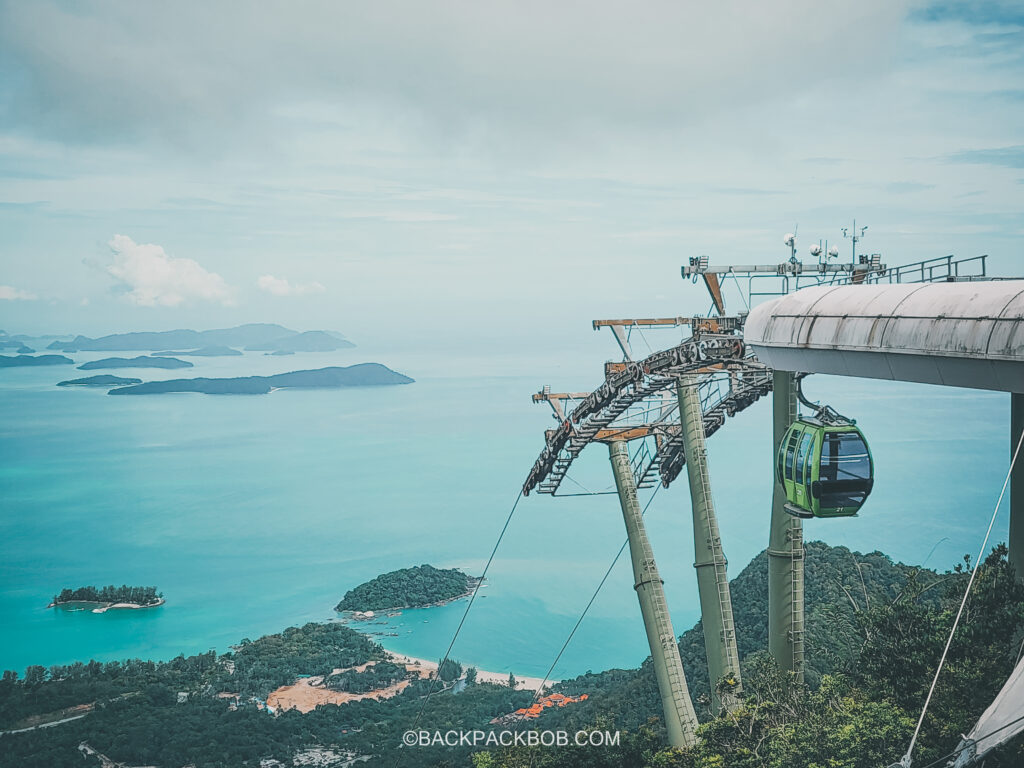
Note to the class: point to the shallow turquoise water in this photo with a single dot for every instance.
(256, 513)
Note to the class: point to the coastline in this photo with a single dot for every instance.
(104, 607)
(501, 678)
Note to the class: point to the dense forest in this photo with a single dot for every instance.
(407, 588)
(109, 594)
(875, 632)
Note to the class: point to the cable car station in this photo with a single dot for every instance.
(941, 321)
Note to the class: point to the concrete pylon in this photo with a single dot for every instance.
(709, 558)
(680, 718)
(785, 548)
(1016, 537)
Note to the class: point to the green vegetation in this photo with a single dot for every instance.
(872, 650)
(111, 594)
(407, 588)
(875, 632)
(373, 678)
(262, 665)
(449, 670)
(138, 719)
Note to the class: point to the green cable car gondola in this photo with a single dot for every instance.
(825, 466)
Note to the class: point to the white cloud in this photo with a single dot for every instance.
(7, 293)
(281, 287)
(156, 279)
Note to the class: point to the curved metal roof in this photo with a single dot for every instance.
(968, 334)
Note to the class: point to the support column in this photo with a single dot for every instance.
(1016, 537)
(709, 559)
(785, 548)
(680, 718)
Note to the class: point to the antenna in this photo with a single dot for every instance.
(790, 240)
(855, 237)
(822, 251)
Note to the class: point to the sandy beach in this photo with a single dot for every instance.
(524, 683)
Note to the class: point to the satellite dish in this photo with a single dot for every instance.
(815, 250)
(833, 251)
(789, 239)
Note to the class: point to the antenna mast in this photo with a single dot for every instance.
(855, 238)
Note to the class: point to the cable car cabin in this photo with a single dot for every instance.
(825, 469)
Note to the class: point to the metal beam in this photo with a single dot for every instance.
(680, 718)
(1016, 537)
(709, 557)
(643, 322)
(785, 549)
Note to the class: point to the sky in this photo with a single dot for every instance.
(465, 173)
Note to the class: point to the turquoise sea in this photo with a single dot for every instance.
(253, 513)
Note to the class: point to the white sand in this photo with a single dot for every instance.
(523, 683)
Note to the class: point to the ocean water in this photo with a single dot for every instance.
(254, 513)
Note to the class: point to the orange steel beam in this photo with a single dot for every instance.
(623, 433)
(715, 289)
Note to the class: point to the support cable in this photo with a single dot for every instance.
(465, 614)
(905, 762)
(960, 748)
(593, 597)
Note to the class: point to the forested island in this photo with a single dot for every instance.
(141, 361)
(361, 375)
(111, 596)
(100, 380)
(21, 361)
(415, 587)
(875, 631)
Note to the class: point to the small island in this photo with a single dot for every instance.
(214, 351)
(110, 597)
(135, 362)
(418, 587)
(361, 375)
(101, 380)
(20, 361)
(310, 341)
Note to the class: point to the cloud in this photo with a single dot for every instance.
(155, 279)
(1007, 157)
(281, 287)
(7, 293)
(458, 69)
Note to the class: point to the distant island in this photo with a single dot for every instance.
(310, 341)
(214, 351)
(102, 380)
(7, 361)
(254, 336)
(110, 597)
(135, 362)
(361, 375)
(417, 587)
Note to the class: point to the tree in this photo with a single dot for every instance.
(471, 676)
(512, 682)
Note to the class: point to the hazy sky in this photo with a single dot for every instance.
(403, 170)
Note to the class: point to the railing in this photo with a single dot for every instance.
(938, 270)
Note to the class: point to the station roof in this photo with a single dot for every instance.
(962, 334)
